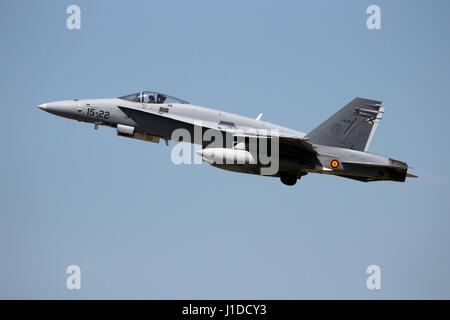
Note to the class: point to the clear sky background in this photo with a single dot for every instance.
(141, 227)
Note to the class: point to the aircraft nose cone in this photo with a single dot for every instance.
(66, 108)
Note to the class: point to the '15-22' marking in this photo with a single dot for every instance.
(92, 112)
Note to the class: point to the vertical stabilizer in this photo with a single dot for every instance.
(352, 127)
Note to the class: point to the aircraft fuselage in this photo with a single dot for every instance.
(142, 117)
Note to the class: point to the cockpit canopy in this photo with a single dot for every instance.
(152, 97)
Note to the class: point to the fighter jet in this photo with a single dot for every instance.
(338, 146)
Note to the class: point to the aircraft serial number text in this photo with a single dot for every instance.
(99, 114)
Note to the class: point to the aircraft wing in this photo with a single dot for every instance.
(296, 142)
(284, 139)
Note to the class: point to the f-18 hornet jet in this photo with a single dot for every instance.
(338, 146)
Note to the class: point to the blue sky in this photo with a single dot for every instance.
(141, 227)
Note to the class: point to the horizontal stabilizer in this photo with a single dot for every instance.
(392, 170)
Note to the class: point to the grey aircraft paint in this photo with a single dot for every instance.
(338, 146)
